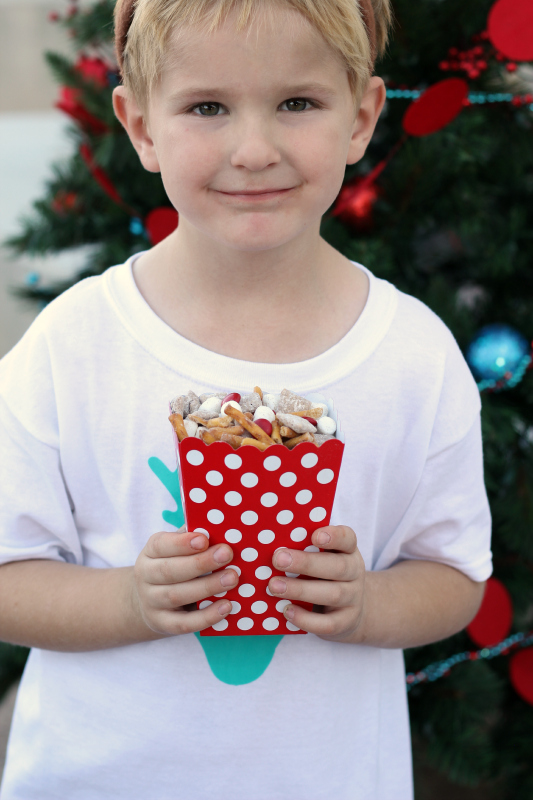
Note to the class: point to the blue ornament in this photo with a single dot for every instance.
(136, 226)
(32, 278)
(498, 354)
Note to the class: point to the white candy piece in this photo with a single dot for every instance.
(264, 412)
(190, 426)
(323, 406)
(271, 401)
(326, 425)
(212, 405)
(232, 403)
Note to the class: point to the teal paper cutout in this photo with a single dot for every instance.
(171, 482)
(238, 659)
(233, 659)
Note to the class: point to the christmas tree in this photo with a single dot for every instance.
(442, 206)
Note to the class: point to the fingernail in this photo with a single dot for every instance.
(283, 559)
(197, 542)
(222, 555)
(323, 538)
(289, 612)
(224, 608)
(278, 586)
(228, 577)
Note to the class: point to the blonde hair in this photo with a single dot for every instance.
(356, 30)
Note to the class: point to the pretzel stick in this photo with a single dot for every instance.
(219, 422)
(251, 427)
(260, 445)
(249, 415)
(177, 423)
(198, 420)
(305, 437)
(206, 436)
(234, 441)
(218, 432)
(314, 413)
(287, 433)
(259, 392)
(276, 433)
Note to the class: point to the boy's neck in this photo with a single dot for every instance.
(268, 308)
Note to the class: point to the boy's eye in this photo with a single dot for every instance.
(293, 101)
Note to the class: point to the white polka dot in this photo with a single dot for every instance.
(284, 517)
(233, 498)
(288, 479)
(221, 626)
(309, 460)
(201, 530)
(220, 595)
(235, 607)
(269, 592)
(249, 518)
(298, 534)
(263, 573)
(292, 574)
(197, 495)
(272, 463)
(265, 537)
(215, 516)
(214, 478)
(303, 497)
(232, 566)
(246, 590)
(245, 623)
(194, 457)
(312, 549)
(325, 476)
(270, 623)
(280, 605)
(233, 461)
(259, 607)
(291, 626)
(249, 554)
(233, 536)
(269, 499)
(249, 480)
(205, 603)
(317, 514)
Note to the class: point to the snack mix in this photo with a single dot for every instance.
(258, 420)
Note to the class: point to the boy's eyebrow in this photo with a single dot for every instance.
(195, 91)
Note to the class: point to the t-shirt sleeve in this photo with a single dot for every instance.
(449, 519)
(36, 514)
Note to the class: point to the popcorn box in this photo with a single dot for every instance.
(258, 502)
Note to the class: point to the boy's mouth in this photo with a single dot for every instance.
(270, 193)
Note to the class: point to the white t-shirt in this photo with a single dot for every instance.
(88, 474)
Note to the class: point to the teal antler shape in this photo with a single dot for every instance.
(170, 481)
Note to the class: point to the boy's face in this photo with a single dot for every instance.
(255, 128)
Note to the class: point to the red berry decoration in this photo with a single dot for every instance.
(265, 425)
(233, 396)
(436, 107)
(310, 419)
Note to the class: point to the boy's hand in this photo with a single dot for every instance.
(339, 590)
(169, 574)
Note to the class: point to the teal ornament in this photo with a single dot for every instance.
(498, 356)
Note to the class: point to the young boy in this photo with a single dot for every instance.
(251, 123)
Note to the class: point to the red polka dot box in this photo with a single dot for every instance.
(258, 502)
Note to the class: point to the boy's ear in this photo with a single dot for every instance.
(129, 114)
(371, 106)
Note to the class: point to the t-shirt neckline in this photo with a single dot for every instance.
(214, 370)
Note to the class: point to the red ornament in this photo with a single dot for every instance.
(511, 67)
(64, 202)
(93, 70)
(355, 202)
(160, 222)
(436, 107)
(100, 176)
(69, 102)
(521, 674)
(510, 28)
(492, 622)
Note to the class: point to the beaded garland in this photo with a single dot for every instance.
(442, 669)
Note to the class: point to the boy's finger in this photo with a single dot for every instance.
(167, 597)
(330, 624)
(328, 566)
(320, 593)
(177, 622)
(335, 537)
(178, 569)
(167, 544)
